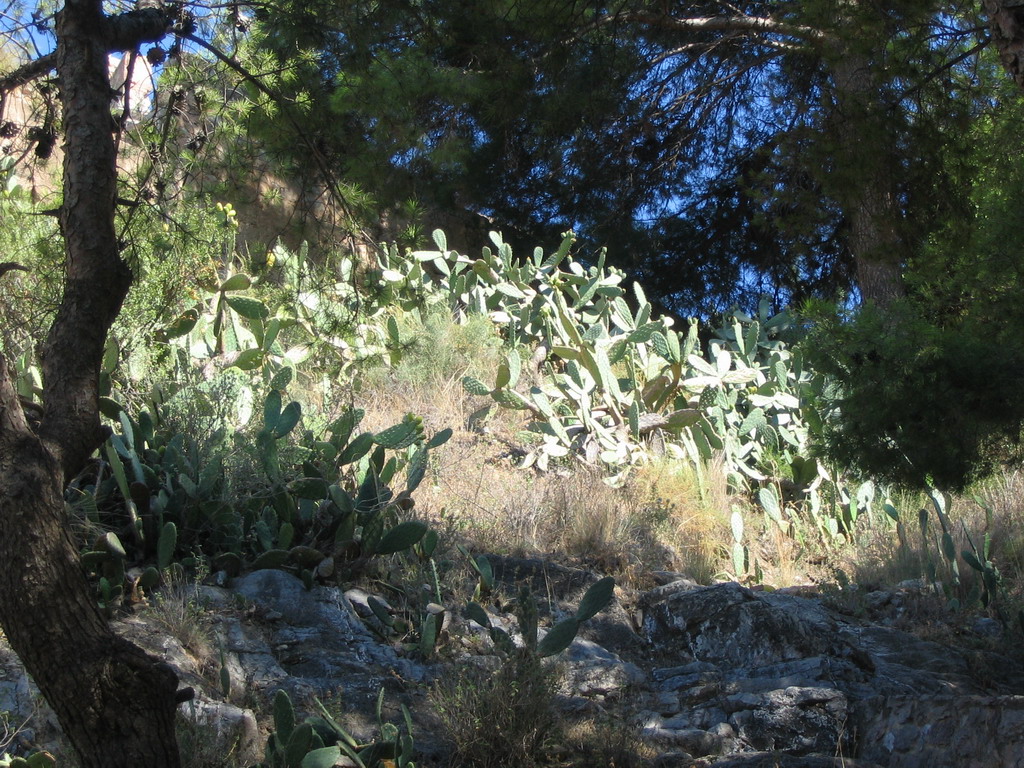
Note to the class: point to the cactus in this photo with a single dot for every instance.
(485, 575)
(402, 536)
(320, 742)
(225, 675)
(166, 544)
(284, 716)
(501, 639)
(527, 616)
(292, 744)
(107, 561)
(560, 636)
(430, 629)
(740, 555)
(35, 760)
(402, 435)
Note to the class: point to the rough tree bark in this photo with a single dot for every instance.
(115, 703)
(1006, 22)
(868, 193)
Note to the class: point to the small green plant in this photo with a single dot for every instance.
(739, 552)
(561, 635)
(37, 760)
(9, 732)
(107, 560)
(505, 716)
(320, 741)
(313, 504)
(484, 572)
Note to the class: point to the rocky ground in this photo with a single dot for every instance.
(698, 675)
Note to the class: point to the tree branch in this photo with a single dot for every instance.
(7, 266)
(26, 73)
(760, 25)
(124, 32)
(943, 68)
(13, 422)
(322, 163)
(127, 31)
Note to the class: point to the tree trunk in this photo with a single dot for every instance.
(115, 703)
(1006, 22)
(866, 186)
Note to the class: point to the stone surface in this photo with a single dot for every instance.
(230, 729)
(788, 675)
(706, 676)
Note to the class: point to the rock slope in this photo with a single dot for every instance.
(704, 675)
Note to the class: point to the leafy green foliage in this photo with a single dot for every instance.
(696, 168)
(915, 403)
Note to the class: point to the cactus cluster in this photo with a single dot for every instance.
(613, 376)
(320, 742)
(321, 502)
(556, 639)
(616, 385)
(943, 570)
(36, 760)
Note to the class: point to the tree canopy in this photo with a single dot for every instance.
(721, 151)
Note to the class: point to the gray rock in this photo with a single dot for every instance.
(722, 676)
(321, 638)
(673, 759)
(925, 732)
(794, 677)
(796, 720)
(783, 760)
(697, 742)
(590, 670)
(230, 729)
(727, 624)
(986, 627)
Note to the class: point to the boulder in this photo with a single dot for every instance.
(787, 675)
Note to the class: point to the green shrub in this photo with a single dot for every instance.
(436, 348)
(915, 404)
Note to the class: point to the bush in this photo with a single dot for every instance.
(917, 404)
(500, 718)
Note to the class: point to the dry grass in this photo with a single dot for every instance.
(604, 743)
(498, 718)
(697, 503)
(176, 609)
(1005, 497)
(201, 747)
(506, 717)
(668, 516)
(662, 519)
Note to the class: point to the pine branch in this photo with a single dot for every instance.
(26, 73)
(124, 32)
(8, 266)
(732, 22)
